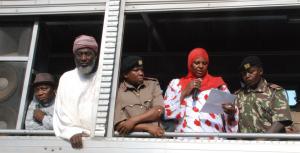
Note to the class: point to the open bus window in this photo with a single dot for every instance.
(54, 53)
(164, 39)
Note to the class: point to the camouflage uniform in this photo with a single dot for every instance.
(260, 107)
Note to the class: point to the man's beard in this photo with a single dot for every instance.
(86, 69)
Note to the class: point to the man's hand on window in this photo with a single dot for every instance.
(76, 141)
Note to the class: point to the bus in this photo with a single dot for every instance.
(37, 36)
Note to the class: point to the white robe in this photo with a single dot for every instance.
(74, 105)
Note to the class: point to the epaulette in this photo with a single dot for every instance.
(274, 86)
(151, 79)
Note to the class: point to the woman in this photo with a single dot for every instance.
(183, 103)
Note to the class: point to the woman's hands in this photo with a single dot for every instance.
(229, 108)
(196, 83)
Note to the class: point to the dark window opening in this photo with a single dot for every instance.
(164, 40)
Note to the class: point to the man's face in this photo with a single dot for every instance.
(199, 67)
(85, 59)
(252, 76)
(44, 92)
(135, 76)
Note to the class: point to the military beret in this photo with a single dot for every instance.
(250, 61)
(130, 62)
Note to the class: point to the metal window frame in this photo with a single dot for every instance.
(34, 37)
(116, 72)
(184, 5)
(219, 135)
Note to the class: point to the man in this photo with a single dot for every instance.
(263, 107)
(75, 99)
(139, 104)
(40, 111)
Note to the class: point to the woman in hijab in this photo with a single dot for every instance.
(184, 105)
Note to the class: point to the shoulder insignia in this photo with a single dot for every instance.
(275, 86)
(151, 79)
(236, 92)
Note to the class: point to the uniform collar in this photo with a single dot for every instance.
(126, 86)
(261, 87)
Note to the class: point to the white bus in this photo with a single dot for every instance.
(37, 36)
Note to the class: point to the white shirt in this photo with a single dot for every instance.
(189, 115)
(74, 103)
(32, 124)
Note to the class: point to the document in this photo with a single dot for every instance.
(215, 100)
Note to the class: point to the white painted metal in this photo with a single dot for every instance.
(34, 38)
(38, 7)
(107, 76)
(282, 136)
(118, 53)
(144, 145)
(14, 58)
(108, 60)
(172, 5)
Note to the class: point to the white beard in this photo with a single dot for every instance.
(87, 69)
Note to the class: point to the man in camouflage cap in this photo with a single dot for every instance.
(139, 103)
(263, 107)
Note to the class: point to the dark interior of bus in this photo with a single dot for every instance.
(164, 40)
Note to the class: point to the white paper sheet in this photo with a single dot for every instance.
(215, 100)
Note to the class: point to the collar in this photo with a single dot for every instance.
(40, 105)
(126, 86)
(261, 87)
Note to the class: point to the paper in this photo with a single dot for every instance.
(215, 100)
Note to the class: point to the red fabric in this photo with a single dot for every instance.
(208, 81)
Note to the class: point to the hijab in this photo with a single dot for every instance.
(208, 81)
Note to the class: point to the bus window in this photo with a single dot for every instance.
(54, 47)
(14, 52)
(164, 39)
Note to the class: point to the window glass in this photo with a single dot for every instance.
(15, 40)
(11, 85)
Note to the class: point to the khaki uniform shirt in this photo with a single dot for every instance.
(133, 101)
(261, 107)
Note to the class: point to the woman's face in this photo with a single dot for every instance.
(199, 67)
